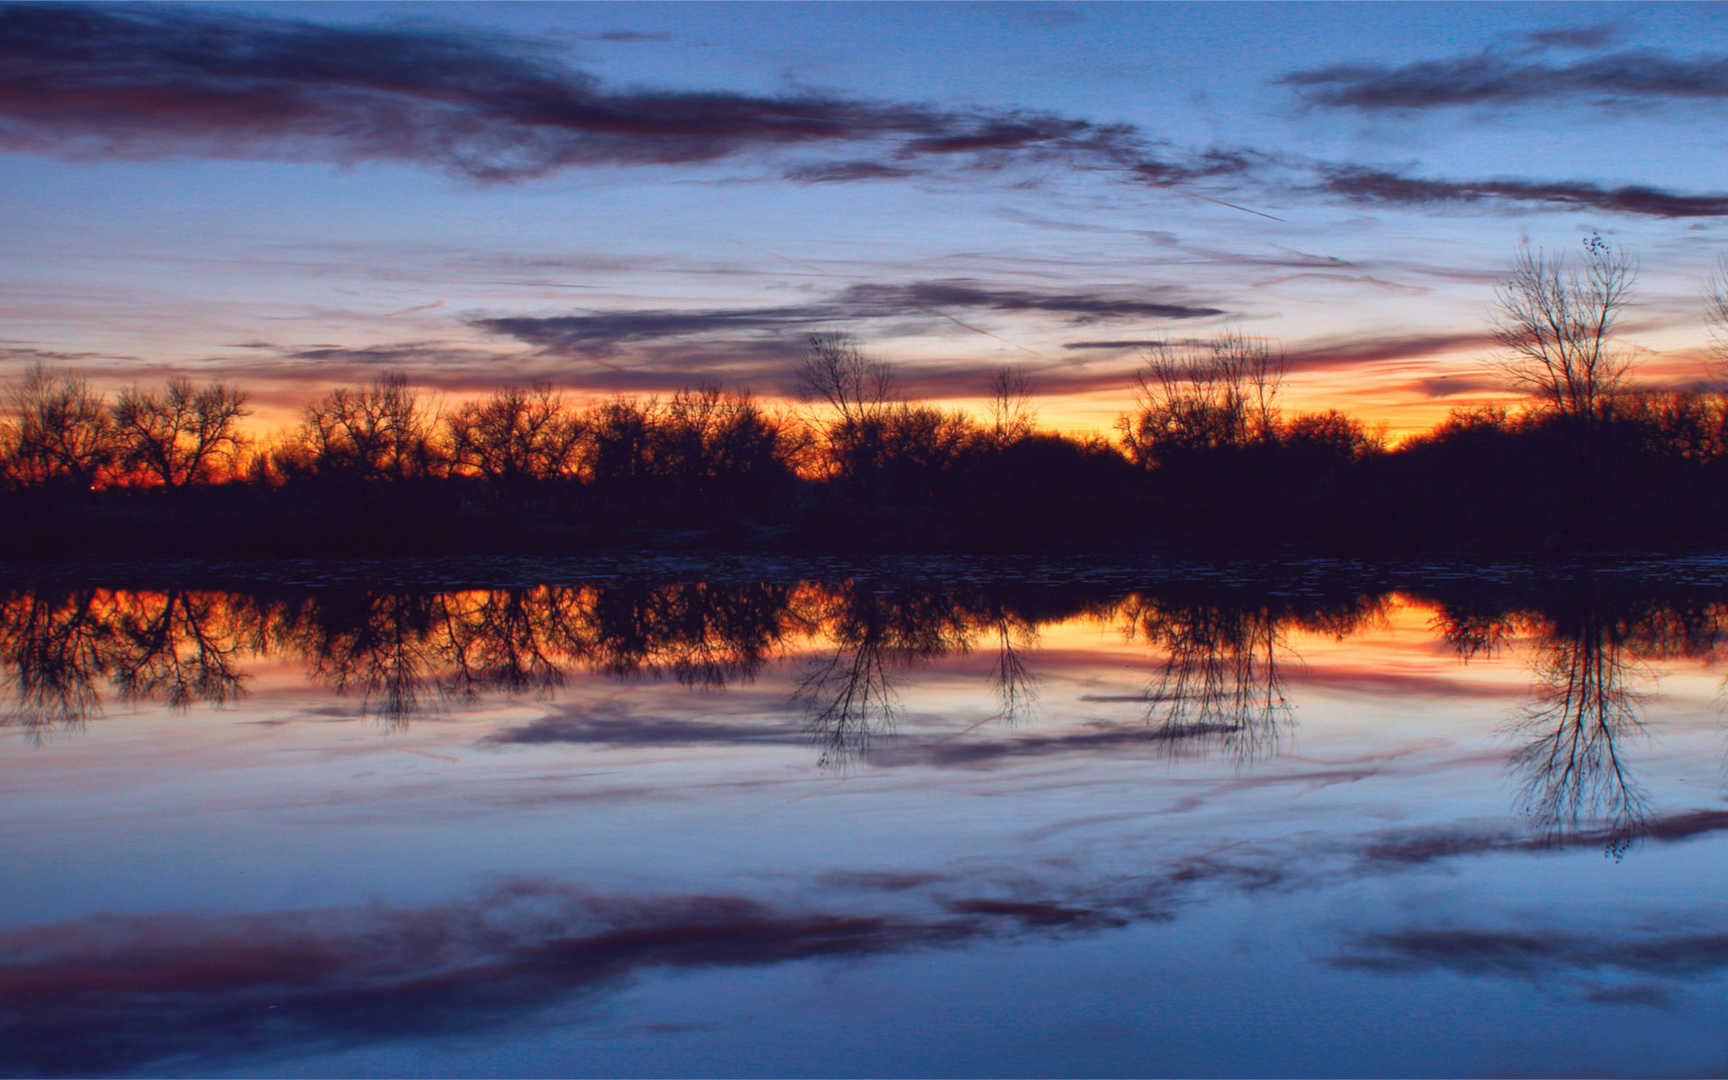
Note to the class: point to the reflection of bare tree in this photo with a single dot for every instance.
(54, 647)
(178, 646)
(848, 695)
(1016, 684)
(504, 639)
(701, 634)
(1219, 684)
(1474, 633)
(406, 652)
(849, 698)
(384, 646)
(1573, 769)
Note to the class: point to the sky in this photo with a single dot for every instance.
(634, 198)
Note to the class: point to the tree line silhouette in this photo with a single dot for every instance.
(1206, 458)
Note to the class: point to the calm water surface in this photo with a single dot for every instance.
(860, 822)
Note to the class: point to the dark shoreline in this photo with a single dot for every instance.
(1303, 574)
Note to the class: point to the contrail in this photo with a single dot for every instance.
(416, 307)
(1233, 206)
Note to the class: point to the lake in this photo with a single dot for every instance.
(912, 818)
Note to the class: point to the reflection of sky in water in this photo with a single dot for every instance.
(641, 877)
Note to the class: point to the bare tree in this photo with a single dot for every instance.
(1556, 321)
(1204, 396)
(179, 436)
(57, 431)
(1716, 311)
(518, 436)
(838, 373)
(1012, 417)
(383, 432)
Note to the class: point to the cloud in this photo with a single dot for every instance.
(602, 333)
(626, 36)
(1081, 306)
(1574, 37)
(763, 365)
(1383, 186)
(145, 82)
(847, 171)
(1359, 351)
(1440, 386)
(1329, 353)
(27, 353)
(1633, 76)
(1127, 343)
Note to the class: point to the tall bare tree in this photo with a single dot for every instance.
(181, 435)
(518, 436)
(1204, 396)
(56, 431)
(382, 432)
(1556, 321)
(1012, 416)
(837, 372)
(1716, 310)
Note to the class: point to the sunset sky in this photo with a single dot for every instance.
(631, 198)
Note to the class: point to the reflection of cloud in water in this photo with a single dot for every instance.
(615, 723)
(1395, 685)
(977, 752)
(120, 993)
(1415, 848)
(1537, 955)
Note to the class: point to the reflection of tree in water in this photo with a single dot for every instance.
(1219, 684)
(1572, 766)
(384, 647)
(179, 647)
(401, 653)
(1572, 769)
(55, 648)
(701, 634)
(508, 640)
(408, 652)
(1016, 684)
(847, 695)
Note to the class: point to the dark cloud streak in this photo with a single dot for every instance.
(1574, 37)
(602, 333)
(100, 81)
(1382, 186)
(1356, 352)
(1631, 76)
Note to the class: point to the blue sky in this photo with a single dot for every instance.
(632, 197)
